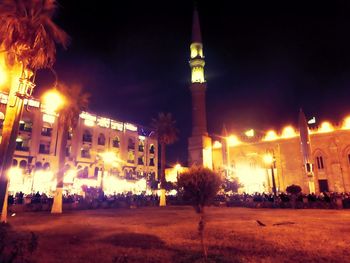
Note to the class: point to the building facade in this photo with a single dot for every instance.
(315, 158)
(244, 157)
(136, 153)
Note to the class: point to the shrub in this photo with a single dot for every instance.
(293, 189)
(199, 186)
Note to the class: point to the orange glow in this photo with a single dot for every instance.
(326, 127)
(3, 70)
(268, 159)
(271, 135)
(346, 123)
(53, 101)
(288, 132)
(217, 145)
(250, 133)
(233, 140)
(253, 178)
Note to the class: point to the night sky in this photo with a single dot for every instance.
(264, 60)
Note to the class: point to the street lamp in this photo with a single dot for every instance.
(270, 160)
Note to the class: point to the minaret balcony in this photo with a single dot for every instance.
(197, 62)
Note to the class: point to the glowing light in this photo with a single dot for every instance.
(253, 178)
(326, 127)
(3, 69)
(142, 138)
(250, 133)
(48, 118)
(271, 135)
(217, 145)
(288, 132)
(117, 125)
(89, 123)
(109, 157)
(130, 127)
(197, 75)
(312, 121)
(18, 139)
(268, 159)
(53, 101)
(233, 140)
(69, 176)
(346, 123)
(114, 185)
(103, 122)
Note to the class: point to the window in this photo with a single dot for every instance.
(131, 144)
(349, 158)
(101, 139)
(97, 169)
(141, 146)
(46, 166)
(14, 162)
(23, 164)
(87, 136)
(38, 166)
(116, 142)
(131, 157)
(319, 162)
(68, 150)
(46, 131)
(44, 148)
(140, 160)
(85, 152)
(323, 184)
(151, 149)
(22, 144)
(151, 162)
(25, 126)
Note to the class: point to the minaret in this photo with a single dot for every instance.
(305, 145)
(199, 148)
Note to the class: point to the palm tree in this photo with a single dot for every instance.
(166, 133)
(28, 37)
(75, 101)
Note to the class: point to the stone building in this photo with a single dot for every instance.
(316, 158)
(136, 153)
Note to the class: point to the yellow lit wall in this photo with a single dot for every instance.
(198, 75)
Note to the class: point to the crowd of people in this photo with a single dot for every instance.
(94, 198)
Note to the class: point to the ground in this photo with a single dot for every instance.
(170, 235)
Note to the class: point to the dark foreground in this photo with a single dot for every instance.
(170, 235)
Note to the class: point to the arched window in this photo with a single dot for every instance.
(23, 164)
(116, 142)
(46, 166)
(97, 169)
(101, 139)
(151, 161)
(141, 145)
(131, 144)
(151, 149)
(140, 160)
(2, 117)
(14, 162)
(319, 162)
(87, 136)
(85, 152)
(38, 165)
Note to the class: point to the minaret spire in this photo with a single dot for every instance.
(196, 28)
(199, 143)
(305, 145)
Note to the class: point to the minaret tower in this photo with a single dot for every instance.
(199, 148)
(306, 150)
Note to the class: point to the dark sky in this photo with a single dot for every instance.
(264, 60)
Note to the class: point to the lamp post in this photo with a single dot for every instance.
(270, 160)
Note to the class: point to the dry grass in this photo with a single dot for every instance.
(170, 235)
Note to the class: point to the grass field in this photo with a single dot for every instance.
(170, 235)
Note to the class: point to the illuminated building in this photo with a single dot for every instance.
(199, 144)
(89, 147)
(317, 159)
